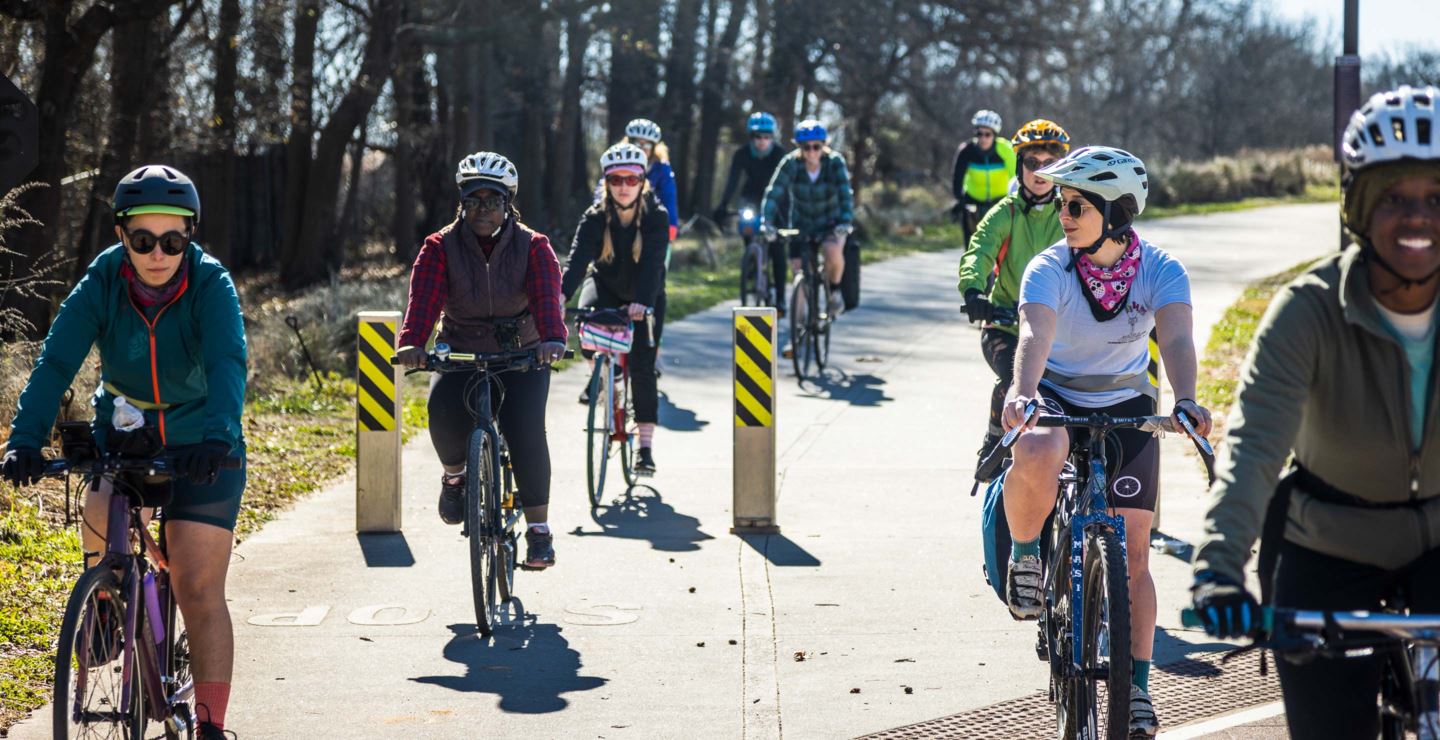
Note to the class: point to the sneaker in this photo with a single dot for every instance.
(788, 352)
(211, 732)
(835, 305)
(644, 461)
(104, 640)
(1022, 588)
(452, 499)
(539, 550)
(1143, 722)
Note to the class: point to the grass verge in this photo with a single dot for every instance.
(1314, 193)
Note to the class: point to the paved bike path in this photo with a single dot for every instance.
(657, 622)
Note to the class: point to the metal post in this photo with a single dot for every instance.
(753, 381)
(377, 424)
(1347, 83)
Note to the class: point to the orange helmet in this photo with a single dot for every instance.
(1041, 132)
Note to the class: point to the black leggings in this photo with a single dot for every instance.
(644, 392)
(779, 267)
(1335, 698)
(521, 418)
(999, 350)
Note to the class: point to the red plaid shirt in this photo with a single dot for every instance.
(430, 287)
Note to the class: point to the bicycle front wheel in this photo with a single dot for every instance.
(1105, 642)
(801, 346)
(749, 280)
(92, 697)
(597, 430)
(481, 512)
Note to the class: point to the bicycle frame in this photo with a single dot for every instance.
(1084, 514)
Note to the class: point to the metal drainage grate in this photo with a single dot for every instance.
(1184, 691)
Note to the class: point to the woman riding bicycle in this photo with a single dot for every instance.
(167, 322)
(1342, 378)
(496, 283)
(1087, 306)
(811, 192)
(1020, 226)
(619, 256)
(756, 162)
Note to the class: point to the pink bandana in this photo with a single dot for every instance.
(1107, 287)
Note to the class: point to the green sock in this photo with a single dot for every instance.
(1020, 549)
(1140, 674)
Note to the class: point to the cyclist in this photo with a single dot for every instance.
(167, 322)
(618, 259)
(1021, 225)
(756, 162)
(810, 191)
(1358, 515)
(1087, 306)
(645, 133)
(983, 166)
(496, 283)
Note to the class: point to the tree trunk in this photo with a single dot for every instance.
(308, 258)
(403, 80)
(712, 108)
(564, 195)
(634, 63)
(219, 198)
(680, 90)
(295, 255)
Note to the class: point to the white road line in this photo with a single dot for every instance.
(760, 714)
(1254, 714)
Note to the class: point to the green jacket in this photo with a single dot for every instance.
(793, 201)
(1022, 234)
(1326, 379)
(194, 355)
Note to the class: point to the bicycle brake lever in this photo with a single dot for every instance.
(1201, 442)
(1030, 410)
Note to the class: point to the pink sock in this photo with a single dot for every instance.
(211, 699)
(647, 434)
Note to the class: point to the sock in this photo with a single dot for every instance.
(541, 528)
(647, 434)
(1140, 674)
(1020, 549)
(453, 478)
(211, 698)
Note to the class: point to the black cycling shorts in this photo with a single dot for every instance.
(1135, 484)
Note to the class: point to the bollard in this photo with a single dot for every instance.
(753, 383)
(377, 424)
(1154, 371)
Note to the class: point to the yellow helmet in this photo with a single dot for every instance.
(1040, 132)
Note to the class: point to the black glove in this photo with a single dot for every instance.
(1226, 608)
(23, 466)
(201, 463)
(978, 307)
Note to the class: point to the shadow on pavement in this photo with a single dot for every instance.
(676, 419)
(835, 384)
(642, 514)
(1172, 655)
(780, 550)
(528, 667)
(386, 550)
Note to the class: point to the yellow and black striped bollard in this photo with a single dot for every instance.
(377, 424)
(753, 382)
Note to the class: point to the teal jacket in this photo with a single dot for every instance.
(793, 201)
(187, 370)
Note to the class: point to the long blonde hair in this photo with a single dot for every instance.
(607, 249)
(660, 153)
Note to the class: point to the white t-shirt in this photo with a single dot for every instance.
(1084, 346)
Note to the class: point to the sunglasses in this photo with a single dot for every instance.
(1074, 207)
(170, 242)
(628, 181)
(813, 147)
(985, 134)
(1036, 163)
(482, 205)
(757, 137)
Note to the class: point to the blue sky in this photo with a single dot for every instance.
(1385, 25)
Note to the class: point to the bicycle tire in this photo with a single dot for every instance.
(800, 344)
(597, 431)
(1106, 585)
(177, 664)
(73, 656)
(627, 444)
(749, 280)
(821, 337)
(479, 526)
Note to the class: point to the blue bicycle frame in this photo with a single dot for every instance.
(1091, 513)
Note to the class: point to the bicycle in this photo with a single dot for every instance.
(610, 426)
(1410, 679)
(809, 330)
(123, 597)
(491, 511)
(755, 285)
(1084, 630)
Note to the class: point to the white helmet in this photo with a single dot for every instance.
(643, 128)
(623, 155)
(486, 168)
(987, 118)
(1113, 174)
(1393, 125)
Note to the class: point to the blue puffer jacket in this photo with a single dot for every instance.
(662, 181)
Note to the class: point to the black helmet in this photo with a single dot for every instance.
(157, 188)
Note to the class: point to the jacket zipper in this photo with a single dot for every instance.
(154, 369)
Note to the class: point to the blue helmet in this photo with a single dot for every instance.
(811, 130)
(761, 123)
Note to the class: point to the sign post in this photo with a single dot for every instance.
(377, 424)
(753, 383)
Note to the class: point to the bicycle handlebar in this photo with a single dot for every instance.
(1287, 623)
(617, 316)
(108, 464)
(443, 361)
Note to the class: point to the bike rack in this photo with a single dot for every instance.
(377, 424)
(753, 384)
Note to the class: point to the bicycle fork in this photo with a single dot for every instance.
(1427, 687)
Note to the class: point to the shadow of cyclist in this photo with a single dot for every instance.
(1173, 655)
(676, 419)
(642, 514)
(835, 384)
(528, 667)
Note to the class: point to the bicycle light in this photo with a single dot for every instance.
(442, 351)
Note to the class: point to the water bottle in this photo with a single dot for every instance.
(126, 418)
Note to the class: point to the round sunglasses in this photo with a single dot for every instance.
(1074, 207)
(482, 205)
(144, 242)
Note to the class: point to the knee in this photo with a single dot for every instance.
(192, 592)
(1038, 455)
